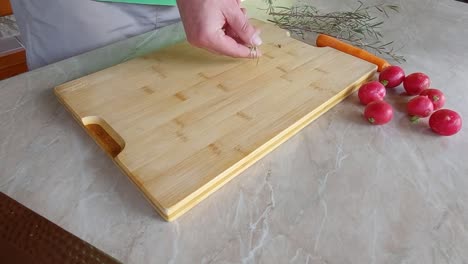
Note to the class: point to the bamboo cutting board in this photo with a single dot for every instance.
(182, 122)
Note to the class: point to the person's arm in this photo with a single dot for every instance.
(220, 26)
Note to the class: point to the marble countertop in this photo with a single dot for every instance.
(340, 191)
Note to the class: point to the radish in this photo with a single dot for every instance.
(420, 106)
(392, 76)
(415, 83)
(445, 122)
(436, 96)
(371, 91)
(378, 112)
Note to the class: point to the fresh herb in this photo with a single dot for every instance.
(254, 53)
(359, 27)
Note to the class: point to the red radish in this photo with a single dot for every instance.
(415, 83)
(392, 76)
(445, 122)
(436, 96)
(419, 106)
(371, 91)
(378, 112)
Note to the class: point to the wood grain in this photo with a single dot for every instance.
(105, 141)
(189, 121)
(13, 71)
(12, 58)
(5, 8)
(13, 63)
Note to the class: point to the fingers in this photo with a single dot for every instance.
(233, 45)
(224, 44)
(239, 23)
(244, 11)
(225, 31)
(230, 32)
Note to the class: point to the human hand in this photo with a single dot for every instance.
(220, 26)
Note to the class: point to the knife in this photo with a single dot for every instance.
(323, 40)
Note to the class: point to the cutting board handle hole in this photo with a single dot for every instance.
(104, 135)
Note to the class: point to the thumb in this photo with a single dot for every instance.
(239, 23)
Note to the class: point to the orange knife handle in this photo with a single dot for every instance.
(328, 41)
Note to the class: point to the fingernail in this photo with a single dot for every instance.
(256, 40)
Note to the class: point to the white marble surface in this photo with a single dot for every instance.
(338, 192)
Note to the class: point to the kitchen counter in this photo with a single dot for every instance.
(340, 191)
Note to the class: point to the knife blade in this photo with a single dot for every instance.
(323, 40)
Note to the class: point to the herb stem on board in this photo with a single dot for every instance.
(359, 27)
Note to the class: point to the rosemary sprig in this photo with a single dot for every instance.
(359, 27)
(254, 53)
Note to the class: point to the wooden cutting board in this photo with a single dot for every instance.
(182, 122)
